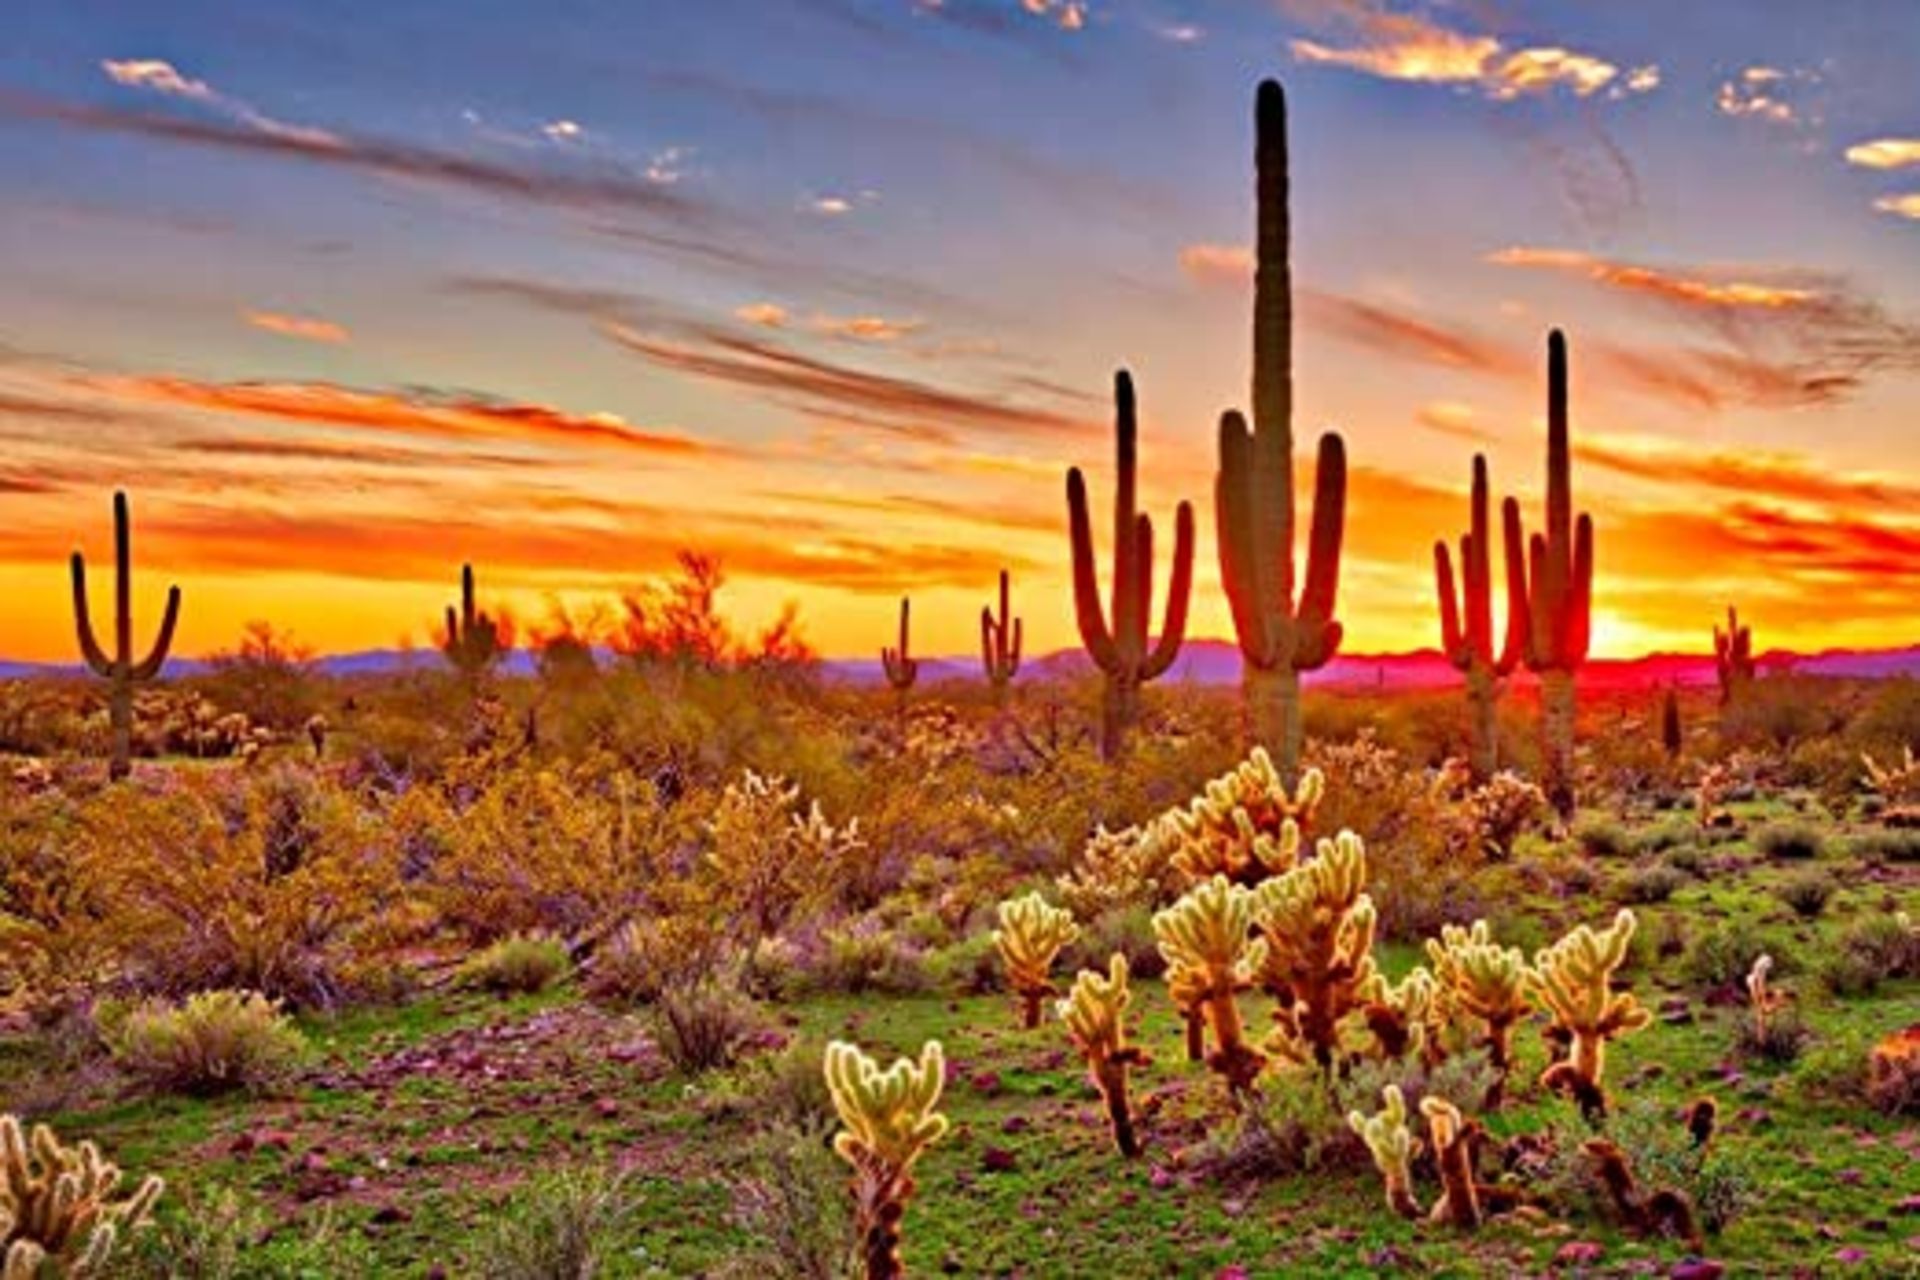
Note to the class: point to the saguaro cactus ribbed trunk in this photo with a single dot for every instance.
(121, 669)
(901, 668)
(1732, 656)
(1559, 589)
(1119, 645)
(1000, 645)
(1466, 623)
(1280, 636)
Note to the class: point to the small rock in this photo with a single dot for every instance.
(1697, 1269)
(1578, 1253)
(388, 1215)
(998, 1160)
(1015, 1124)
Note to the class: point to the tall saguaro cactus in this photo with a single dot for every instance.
(120, 668)
(1466, 623)
(472, 641)
(1000, 644)
(1732, 656)
(1118, 644)
(1559, 589)
(901, 669)
(1280, 635)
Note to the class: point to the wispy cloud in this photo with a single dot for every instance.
(1413, 338)
(840, 392)
(1669, 286)
(1901, 206)
(411, 412)
(1766, 94)
(1885, 153)
(1217, 263)
(1784, 476)
(1451, 418)
(305, 328)
(156, 76)
(771, 315)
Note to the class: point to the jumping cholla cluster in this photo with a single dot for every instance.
(1897, 783)
(1116, 869)
(1477, 979)
(1030, 936)
(1205, 939)
(1318, 923)
(1244, 825)
(768, 853)
(889, 1122)
(57, 1214)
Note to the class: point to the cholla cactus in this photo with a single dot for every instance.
(1318, 923)
(1244, 825)
(1400, 1017)
(1897, 784)
(1710, 796)
(1893, 1072)
(1210, 958)
(889, 1121)
(1393, 1146)
(1095, 1011)
(1117, 869)
(1030, 935)
(1761, 996)
(1573, 981)
(1496, 813)
(1459, 1202)
(56, 1215)
(769, 855)
(1486, 982)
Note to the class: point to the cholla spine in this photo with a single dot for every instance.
(55, 1204)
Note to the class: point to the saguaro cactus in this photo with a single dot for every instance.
(472, 640)
(121, 669)
(1118, 644)
(1466, 623)
(1000, 644)
(1559, 589)
(1732, 656)
(1280, 636)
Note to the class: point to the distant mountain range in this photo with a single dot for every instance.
(1205, 662)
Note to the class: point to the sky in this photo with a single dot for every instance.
(345, 294)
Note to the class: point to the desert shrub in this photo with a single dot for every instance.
(769, 857)
(1653, 882)
(1807, 895)
(219, 1236)
(1722, 1181)
(1464, 1079)
(861, 956)
(1495, 814)
(1886, 846)
(1778, 1038)
(1893, 1073)
(1721, 956)
(213, 1042)
(1128, 931)
(1664, 837)
(1599, 837)
(1688, 858)
(517, 965)
(564, 1225)
(1870, 951)
(526, 849)
(642, 958)
(704, 1026)
(268, 677)
(970, 966)
(790, 1200)
(1280, 1133)
(1790, 841)
(782, 1088)
(1781, 711)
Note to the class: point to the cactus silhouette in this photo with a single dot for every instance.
(1000, 644)
(901, 669)
(1671, 736)
(1118, 645)
(1466, 622)
(472, 641)
(1732, 656)
(1558, 590)
(120, 668)
(1280, 636)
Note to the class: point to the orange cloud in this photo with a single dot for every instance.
(1450, 418)
(409, 412)
(1789, 476)
(305, 328)
(1665, 285)
(1409, 337)
(1905, 206)
(1217, 263)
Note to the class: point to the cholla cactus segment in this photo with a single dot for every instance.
(1897, 783)
(889, 1121)
(1095, 1011)
(1030, 936)
(1393, 1146)
(1493, 815)
(1205, 939)
(1400, 1016)
(1459, 1202)
(1481, 980)
(56, 1206)
(1573, 981)
(1244, 825)
(1318, 924)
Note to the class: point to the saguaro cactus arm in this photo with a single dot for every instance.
(97, 658)
(1000, 639)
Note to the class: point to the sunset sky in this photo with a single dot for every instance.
(345, 293)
